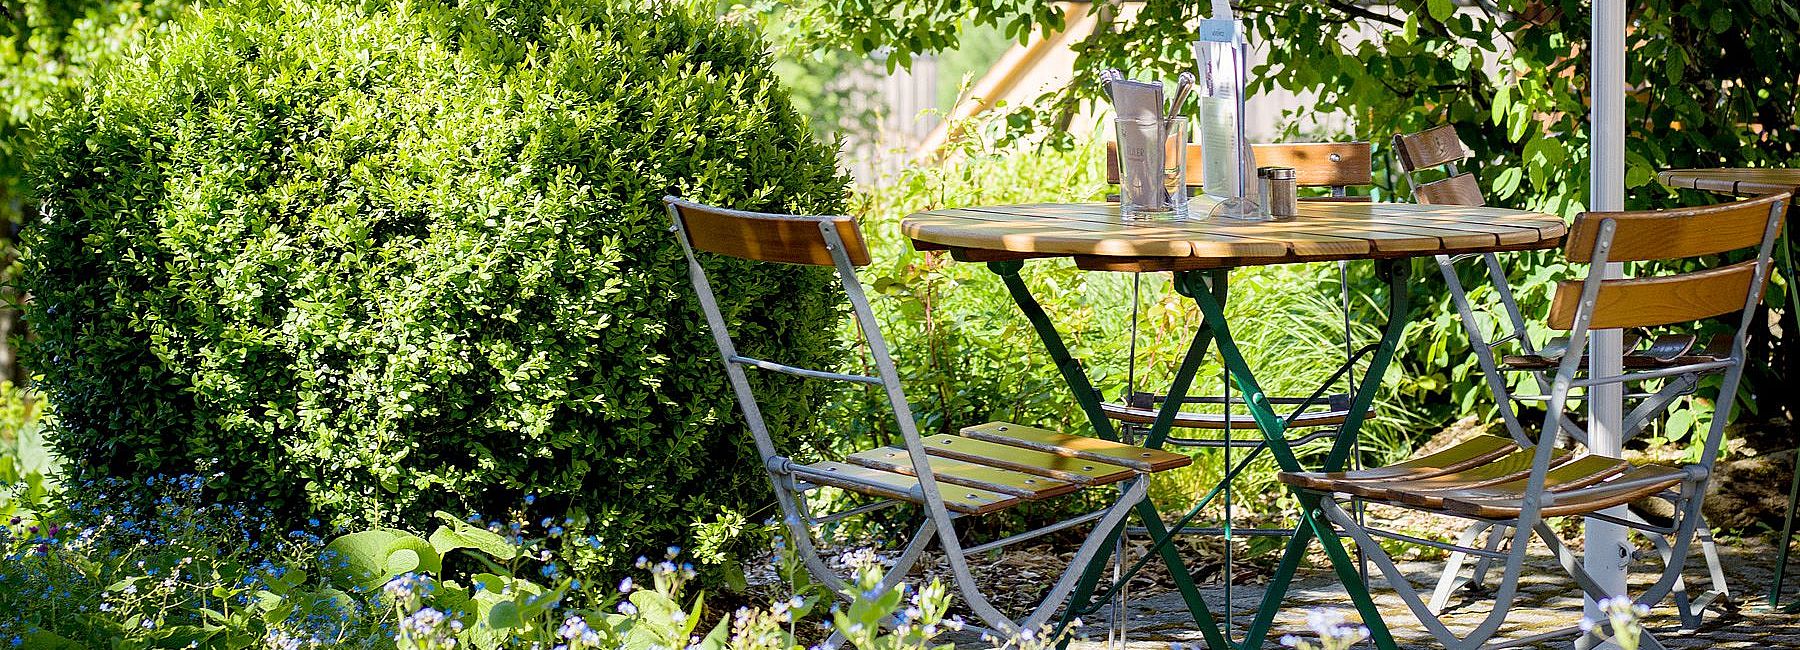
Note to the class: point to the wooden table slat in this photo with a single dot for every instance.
(1202, 242)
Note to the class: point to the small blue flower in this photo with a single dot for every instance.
(530, 499)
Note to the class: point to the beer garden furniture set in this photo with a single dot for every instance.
(1505, 484)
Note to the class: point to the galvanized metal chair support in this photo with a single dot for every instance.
(1493, 488)
(1052, 464)
(1440, 147)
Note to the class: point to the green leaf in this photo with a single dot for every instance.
(48, 640)
(718, 639)
(1441, 10)
(1460, 58)
(504, 615)
(458, 534)
(370, 558)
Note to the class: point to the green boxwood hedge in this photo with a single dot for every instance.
(367, 260)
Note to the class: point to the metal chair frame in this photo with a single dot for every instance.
(790, 480)
(1517, 332)
(1687, 499)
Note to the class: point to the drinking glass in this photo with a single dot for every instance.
(1152, 168)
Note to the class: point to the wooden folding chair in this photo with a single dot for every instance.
(987, 469)
(1515, 484)
(1440, 149)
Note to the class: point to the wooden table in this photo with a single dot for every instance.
(1095, 236)
(1200, 252)
(1752, 181)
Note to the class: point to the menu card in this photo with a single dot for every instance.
(1221, 54)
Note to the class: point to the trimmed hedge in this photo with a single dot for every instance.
(364, 261)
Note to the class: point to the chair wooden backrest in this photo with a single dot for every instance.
(1599, 237)
(1336, 165)
(767, 237)
(1438, 146)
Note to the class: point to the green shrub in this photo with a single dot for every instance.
(371, 260)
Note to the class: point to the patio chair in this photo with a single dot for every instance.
(989, 468)
(1439, 148)
(1519, 482)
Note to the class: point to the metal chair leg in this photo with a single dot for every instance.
(1451, 577)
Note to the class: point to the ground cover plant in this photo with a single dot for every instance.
(79, 571)
(363, 283)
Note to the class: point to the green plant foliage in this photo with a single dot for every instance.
(1713, 86)
(46, 50)
(368, 260)
(84, 569)
(27, 469)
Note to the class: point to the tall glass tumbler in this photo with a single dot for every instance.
(1152, 168)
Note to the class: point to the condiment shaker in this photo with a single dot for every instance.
(1280, 192)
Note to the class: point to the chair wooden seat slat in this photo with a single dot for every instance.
(1030, 487)
(1189, 420)
(1062, 444)
(1500, 470)
(1578, 473)
(1030, 461)
(1640, 482)
(1473, 452)
(856, 478)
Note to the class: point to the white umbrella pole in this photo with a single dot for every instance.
(1604, 558)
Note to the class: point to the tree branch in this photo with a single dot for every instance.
(1365, 14)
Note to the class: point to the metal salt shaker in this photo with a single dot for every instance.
(1279, 191)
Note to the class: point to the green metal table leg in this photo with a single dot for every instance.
(1348, 574)
(1272, 427)
(1089, 400)
(1398, 275)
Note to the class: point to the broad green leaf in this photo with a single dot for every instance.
(504, 615)
(1441, 10)
(458, 534)
(370, 558)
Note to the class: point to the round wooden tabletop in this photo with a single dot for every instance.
(1737, 181)
(1098, 239)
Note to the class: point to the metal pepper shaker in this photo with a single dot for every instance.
(1280, 191)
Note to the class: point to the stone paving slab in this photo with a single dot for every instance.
(1548, 602)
